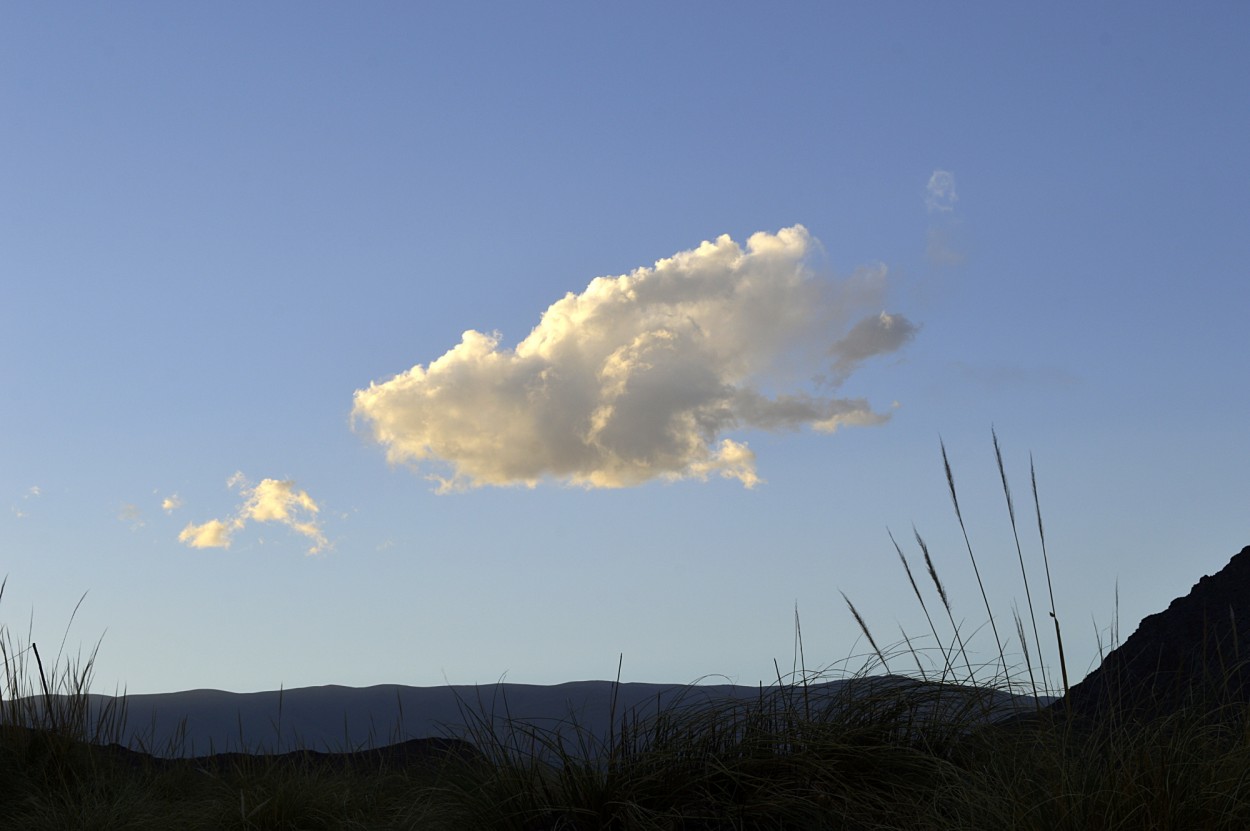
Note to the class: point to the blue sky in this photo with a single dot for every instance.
(222, 222)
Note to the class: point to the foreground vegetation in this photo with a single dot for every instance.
(775, 767)
(929, 752)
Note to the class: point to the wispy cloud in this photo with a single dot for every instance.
(941, 243)
(131, 514)
(940, 194)
(273, 500)
(941, 248)
(33, 492)
(171, 503)
(639, 376)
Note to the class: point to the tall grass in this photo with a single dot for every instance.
(817, 750)
(53, 700)
(956, 661)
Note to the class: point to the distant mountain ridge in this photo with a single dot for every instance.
(339, 719)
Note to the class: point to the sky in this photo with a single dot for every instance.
(449, 343)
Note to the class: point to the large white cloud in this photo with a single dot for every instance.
(640, 376)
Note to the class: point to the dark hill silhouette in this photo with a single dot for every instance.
(359, 722)
(1191, 656)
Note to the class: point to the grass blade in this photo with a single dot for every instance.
(1024, 575)
(950, 480)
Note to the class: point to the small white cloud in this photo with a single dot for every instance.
(940, 195)
(211, 534)
(272, 500)
(171, 503)
(275, 500)
(640, 376)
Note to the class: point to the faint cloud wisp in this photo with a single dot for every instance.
(941, 247)
(33, 492)
(273, 500)
(130, 513)
(941, 195)
(639, 376)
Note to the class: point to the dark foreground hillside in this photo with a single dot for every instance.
(907, 756)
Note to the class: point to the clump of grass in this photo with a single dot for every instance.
(59, 703)
(795, 757)
(956, 661)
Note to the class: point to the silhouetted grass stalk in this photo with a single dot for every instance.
(1041, 533)
(1024, 574)
(950, 480)
(946, 658)
(946, 603)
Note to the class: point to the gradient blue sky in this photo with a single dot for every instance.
(218, 222)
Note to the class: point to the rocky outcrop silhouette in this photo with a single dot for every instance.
(1192, 657)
